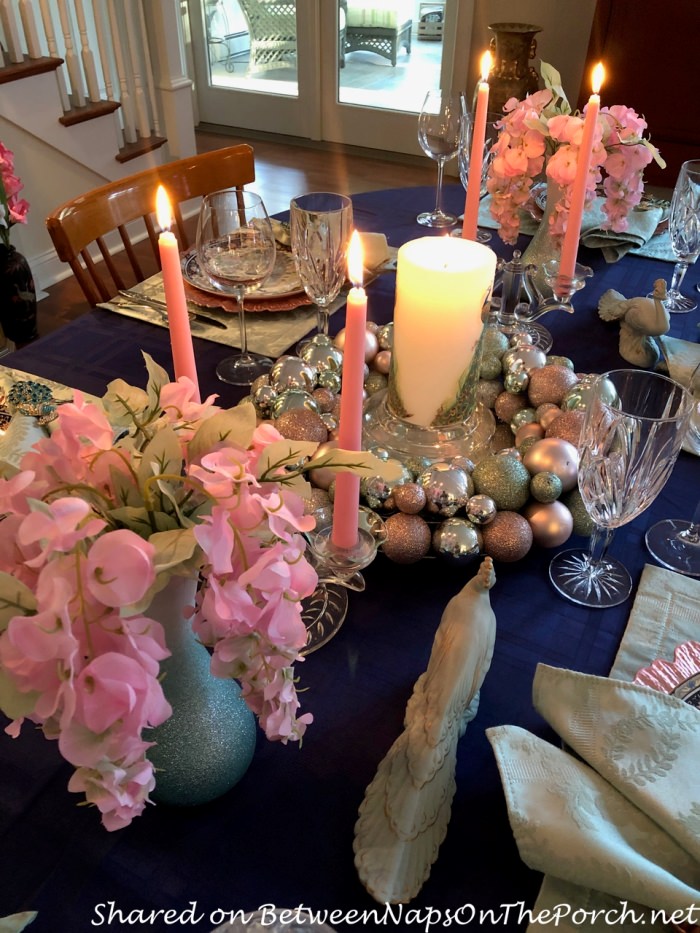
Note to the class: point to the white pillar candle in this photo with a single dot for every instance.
(441, 286)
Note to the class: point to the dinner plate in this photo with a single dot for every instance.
(680, 677)
(283, 282)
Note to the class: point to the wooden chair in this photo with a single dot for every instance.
(79, 227)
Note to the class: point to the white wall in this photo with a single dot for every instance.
(563, 42)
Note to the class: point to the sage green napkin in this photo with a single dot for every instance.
(622, 814)
(641, 226)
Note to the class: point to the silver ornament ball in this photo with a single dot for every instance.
(457, 541)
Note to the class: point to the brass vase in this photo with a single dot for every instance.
(512, 46)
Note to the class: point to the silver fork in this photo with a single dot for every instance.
(195, 315)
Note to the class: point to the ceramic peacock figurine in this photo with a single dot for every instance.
(406, 809)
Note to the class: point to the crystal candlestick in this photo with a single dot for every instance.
(339, 570)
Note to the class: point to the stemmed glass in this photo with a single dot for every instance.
(464, 157)
(320, 228)
(439, 127)
(633, 429)
(675, 543)
(684, 230)
(236, 250)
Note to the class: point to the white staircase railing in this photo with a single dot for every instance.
(105, 50)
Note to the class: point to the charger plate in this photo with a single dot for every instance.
(283, 282)
(680, 677)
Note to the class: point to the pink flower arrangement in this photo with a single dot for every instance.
(540, 133)
(13, 209)
(93, 528)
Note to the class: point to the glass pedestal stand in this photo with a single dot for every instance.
(408, 442)
(338, 571)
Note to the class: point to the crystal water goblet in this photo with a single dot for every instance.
(439, 127)
(320, 228)
(236, 250)
(633, 429)
(675, 543)
(684, 231)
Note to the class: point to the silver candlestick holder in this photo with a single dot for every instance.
(562, 287)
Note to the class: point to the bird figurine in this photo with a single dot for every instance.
(640, 319)
(406, 809)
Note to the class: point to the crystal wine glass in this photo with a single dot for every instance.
(320, 227)
(633, 429)
(684, 230)
(236, 250)
(675, 543)
(439, 126)
(464, 157)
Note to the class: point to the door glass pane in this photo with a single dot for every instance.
(390, 60)
(252, 45)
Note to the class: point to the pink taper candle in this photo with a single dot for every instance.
(567, 263)
(346, 501)
(476, 155)
(178, 318)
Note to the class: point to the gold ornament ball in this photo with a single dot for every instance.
(488, 391)
(507, 404)
(490, 367)
(555, 456)
(551, 523)
(550, 384)
(546, 415)
(382, 362)
(567, 426)
(409, 498)
(300, 424)
(371, 343)
(503, 478)
(495, 342)
(322, 477)
(324, 398)
(408, 538)
(583, 523)
(317, 499)
(545, 486)
(533, 430)
(508, 537)
(502, 437)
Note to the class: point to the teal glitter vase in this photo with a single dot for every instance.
(207, 745)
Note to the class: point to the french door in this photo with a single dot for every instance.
(284, 67)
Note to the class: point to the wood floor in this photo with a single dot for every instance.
(283, 170)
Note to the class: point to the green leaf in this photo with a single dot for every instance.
(122, 400)
(15, 599)
(552, 80)
(13, 702)
(173, 548)
(140, 521)
(157, 378)
(235, 427)
(280, 454)
(162, 454)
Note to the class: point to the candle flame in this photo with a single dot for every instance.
(598, 78)
(486, 64)
(164, 212)
(355, 260)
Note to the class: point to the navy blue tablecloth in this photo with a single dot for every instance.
(284, 835)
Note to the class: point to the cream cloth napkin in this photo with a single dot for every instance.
(16, 922)
(620, 823)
